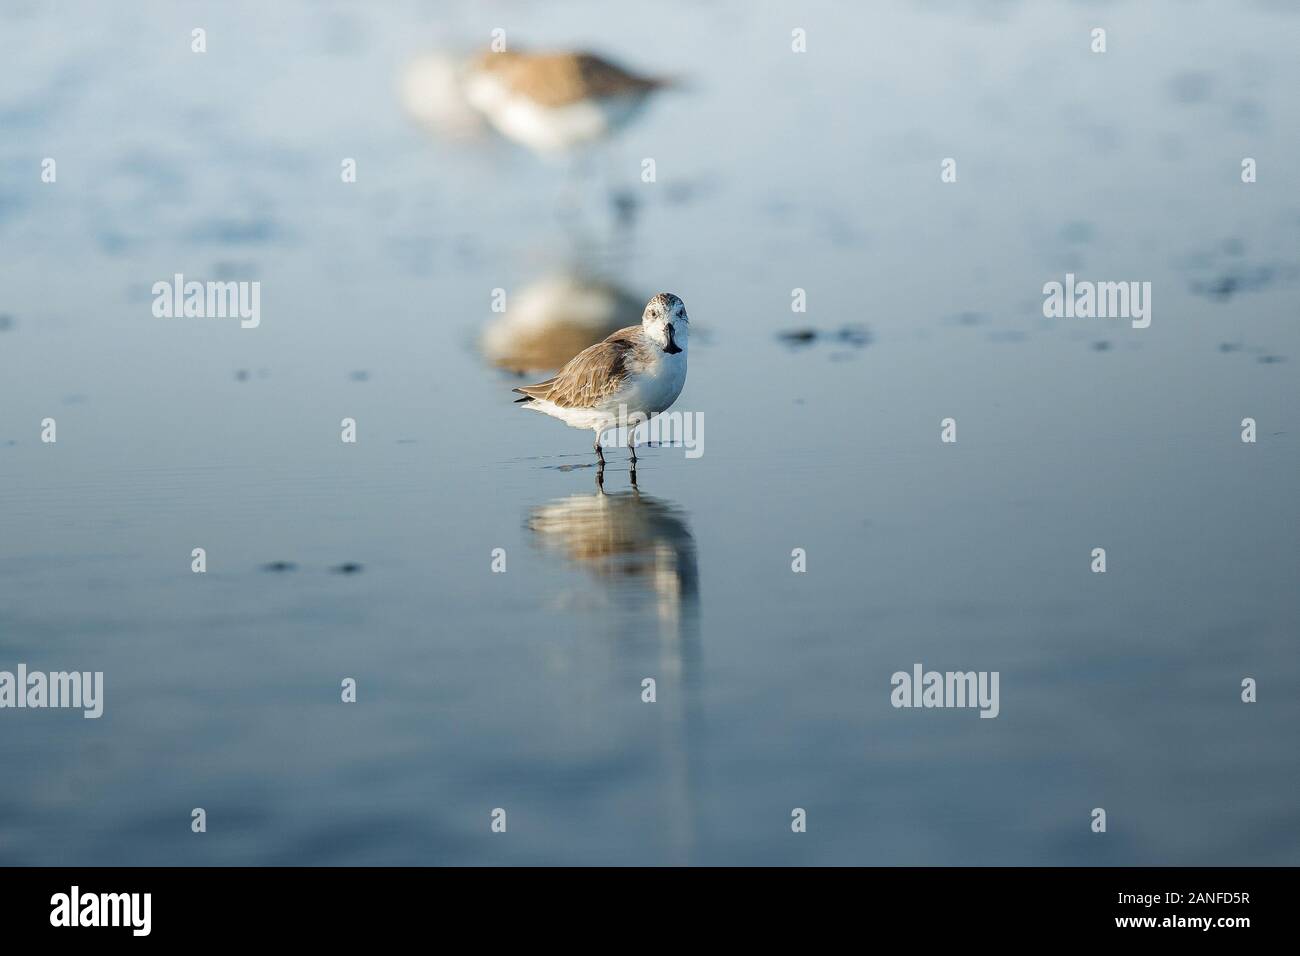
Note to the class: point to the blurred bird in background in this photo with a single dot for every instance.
(559, 105)
(548, 102)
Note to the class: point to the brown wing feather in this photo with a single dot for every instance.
(557, 79)
(591, 376)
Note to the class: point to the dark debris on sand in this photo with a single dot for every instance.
(856, 336)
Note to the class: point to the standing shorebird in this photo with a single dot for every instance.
(635, 373)
(551, 102)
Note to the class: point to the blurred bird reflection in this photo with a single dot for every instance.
(640, 552)
(554, 319)
(640, 548)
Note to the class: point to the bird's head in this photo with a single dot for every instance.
(665, 322)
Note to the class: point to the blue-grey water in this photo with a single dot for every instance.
(521, 690)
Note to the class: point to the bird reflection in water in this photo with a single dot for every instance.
(555, 318)
(639, 546)
(640, 551)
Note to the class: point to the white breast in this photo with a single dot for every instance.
(655, 390)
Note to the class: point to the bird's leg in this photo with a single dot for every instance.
(631, 450)
(632, 473)
(599, 454)
(570, 199)
(600, 478)
(622, 200)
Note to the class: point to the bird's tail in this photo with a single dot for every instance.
(532, 393)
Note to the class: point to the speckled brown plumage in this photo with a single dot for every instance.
(558, 79)
(595, 373)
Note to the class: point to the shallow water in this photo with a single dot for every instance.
(522, 690)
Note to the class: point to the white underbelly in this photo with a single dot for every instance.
(549, 128)
(577, 417)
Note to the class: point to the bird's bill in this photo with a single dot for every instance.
(672, 348)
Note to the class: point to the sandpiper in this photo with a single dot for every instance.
(551, 102)
(635, 373)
